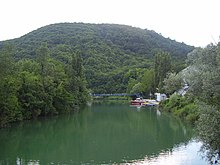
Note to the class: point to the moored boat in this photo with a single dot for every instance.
(144, 102)
(150, 103)
(138, 101)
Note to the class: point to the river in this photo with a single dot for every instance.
(102, 134)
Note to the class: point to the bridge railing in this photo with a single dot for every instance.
(113, 94)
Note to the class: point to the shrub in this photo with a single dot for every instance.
(181, 107)
(208, 126)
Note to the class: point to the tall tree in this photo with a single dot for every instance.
(77, 83)
(30, 95)
(148, 82)
(46, 74)
(172, 83)
(203, 77)
(6, 61)
(9, 107)
(162, 66)
(42, 58)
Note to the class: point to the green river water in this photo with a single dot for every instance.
(102, 134)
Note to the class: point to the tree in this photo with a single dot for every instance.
(47, 78)
(172, 83)
(137, 88)
(42, 58)
(131, 84)
(203, 74)
(30, 95)
(147, 81)
(6, 61)
(77, 81)
(9, 106)
(63, 100)
(203, 77)
(208, 127)
(162, 66)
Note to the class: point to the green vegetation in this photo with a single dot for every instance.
(113, 55)
(203, 77)
(181, 107)
(201, 104)
(45, 86)
(46, 72)
(50, 70)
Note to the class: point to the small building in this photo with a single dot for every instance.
(160, 96)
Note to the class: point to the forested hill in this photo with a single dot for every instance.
(109, 51)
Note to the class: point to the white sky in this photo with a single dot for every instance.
(195, 22)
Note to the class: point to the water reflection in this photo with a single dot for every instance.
(99, 134)
(181, 155)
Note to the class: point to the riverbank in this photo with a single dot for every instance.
(206, 119)
(182, 107)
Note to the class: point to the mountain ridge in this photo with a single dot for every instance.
(107, 50)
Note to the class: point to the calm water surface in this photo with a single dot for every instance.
(101, 134)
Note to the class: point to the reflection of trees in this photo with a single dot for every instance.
(100, 133)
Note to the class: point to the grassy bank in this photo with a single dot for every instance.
(182, 107)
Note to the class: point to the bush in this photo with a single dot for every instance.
(208, 126)
(181, 107)
(188, 112)
(174, 102)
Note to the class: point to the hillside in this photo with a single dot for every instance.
(109, 51)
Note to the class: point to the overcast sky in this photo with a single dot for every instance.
(194, 22)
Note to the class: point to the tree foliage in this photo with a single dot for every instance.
(202, 101)
(40, 87)
(162, 66)
(203, 77)
(53, 67)
(208, 127)
(172, 83)
(108, 51)
(203, 74)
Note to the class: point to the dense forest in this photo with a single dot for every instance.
(53, 69)
(114, 56)
(44, 86)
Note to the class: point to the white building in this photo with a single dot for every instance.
(160, 97)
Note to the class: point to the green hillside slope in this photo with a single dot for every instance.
(109, 51)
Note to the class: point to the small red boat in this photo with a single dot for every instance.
(138, 101)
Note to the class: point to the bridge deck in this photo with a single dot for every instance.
(112, 94)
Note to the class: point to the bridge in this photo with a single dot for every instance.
(114, 94)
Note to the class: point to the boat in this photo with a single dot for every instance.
(150, 103)
(138, 101)
(144, 102)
